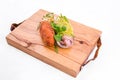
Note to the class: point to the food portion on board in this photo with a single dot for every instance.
(56, 31)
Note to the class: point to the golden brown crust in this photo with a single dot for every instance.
(47, 33)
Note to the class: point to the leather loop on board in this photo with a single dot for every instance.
(15, 25)
(96, 52)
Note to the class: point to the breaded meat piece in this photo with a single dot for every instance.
(47, 33)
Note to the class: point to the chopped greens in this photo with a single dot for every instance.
(58, 37)
(63, 28)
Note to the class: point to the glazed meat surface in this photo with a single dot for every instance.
(47, 33)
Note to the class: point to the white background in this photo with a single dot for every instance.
(100, 14)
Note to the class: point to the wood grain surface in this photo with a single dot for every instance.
(27, 38)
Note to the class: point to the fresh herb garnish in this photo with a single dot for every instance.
(58, 28)
(58, 31)
(63, 28)
(56, 48)
(49, 17)
(58, 37)
(65, 18)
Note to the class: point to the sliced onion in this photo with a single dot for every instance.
(66, 42)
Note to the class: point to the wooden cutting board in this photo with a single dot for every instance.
(27, 38)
